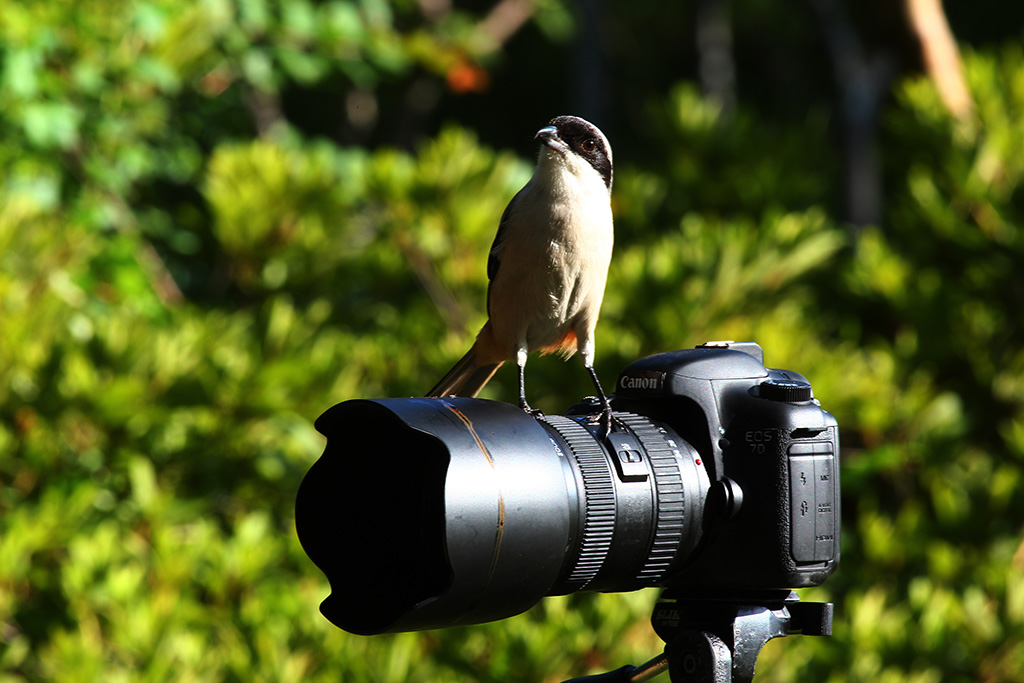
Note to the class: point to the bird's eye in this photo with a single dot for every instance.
(589, 145)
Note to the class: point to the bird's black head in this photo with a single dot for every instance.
(573, 134)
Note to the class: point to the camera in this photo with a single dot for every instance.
(720, 477)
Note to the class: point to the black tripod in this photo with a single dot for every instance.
(717, 640)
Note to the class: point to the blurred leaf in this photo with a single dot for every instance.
(51, 124)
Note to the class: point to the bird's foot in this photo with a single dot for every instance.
(605, 419)
(530, 411)
(606, 422)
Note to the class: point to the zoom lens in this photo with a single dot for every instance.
(429, 513)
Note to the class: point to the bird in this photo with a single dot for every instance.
(548, 265)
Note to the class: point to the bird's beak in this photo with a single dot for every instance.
(548, 135)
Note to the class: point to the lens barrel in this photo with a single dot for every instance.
(429, 513)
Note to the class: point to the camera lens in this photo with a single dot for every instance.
(639, 498)
(428, 513)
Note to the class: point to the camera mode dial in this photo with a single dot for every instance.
(786, 390)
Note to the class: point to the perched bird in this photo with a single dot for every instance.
(548, 264)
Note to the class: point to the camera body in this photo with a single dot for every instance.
(719, 478)
(772, 516)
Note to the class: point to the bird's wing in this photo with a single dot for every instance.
(494, 257)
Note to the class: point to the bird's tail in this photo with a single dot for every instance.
(467, 378)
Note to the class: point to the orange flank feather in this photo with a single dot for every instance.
(566, 346)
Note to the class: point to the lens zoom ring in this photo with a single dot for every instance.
(671, 500)
(599, 497)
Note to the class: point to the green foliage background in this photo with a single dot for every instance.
(185, 286)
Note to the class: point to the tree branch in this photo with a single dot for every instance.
(941, 55)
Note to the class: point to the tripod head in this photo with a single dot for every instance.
(718, 639)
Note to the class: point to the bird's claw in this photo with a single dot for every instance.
(530, 411)
(605, 419)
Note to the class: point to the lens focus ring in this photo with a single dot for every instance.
(599, 496)
(670, 508)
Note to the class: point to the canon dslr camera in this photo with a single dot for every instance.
(720, 478)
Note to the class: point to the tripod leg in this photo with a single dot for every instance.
(650, 669)
(628, 674)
